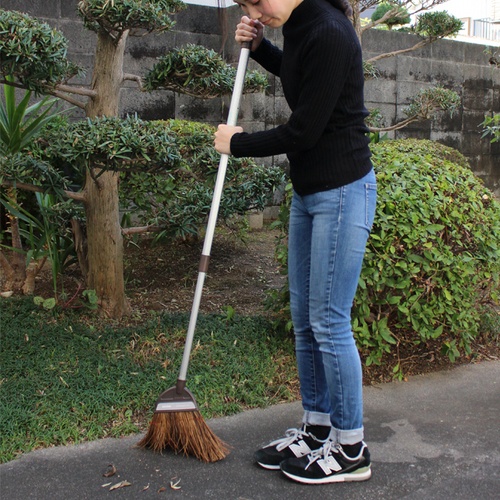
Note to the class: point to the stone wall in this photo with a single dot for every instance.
(459, 66)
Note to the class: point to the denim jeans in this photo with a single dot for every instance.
(327, 239)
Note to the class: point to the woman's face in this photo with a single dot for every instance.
(272, 13)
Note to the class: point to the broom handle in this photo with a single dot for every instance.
(214, 210)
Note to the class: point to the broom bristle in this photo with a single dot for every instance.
(184, 432)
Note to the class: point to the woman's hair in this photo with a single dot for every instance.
(342, 5)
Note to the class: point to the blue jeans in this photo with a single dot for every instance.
(327, 239)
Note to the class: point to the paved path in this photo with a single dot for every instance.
(434, 437)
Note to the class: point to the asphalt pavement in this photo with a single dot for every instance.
(436, 436)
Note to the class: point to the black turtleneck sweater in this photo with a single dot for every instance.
(321, 71)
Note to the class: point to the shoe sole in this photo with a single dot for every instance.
(362, 474)
(269, 467)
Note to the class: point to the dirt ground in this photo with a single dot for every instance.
(163, 277)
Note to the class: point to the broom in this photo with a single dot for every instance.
(177, 423)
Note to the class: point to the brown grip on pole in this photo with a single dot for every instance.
(204, 261)
(246, 45)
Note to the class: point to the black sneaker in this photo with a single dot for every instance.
(329, 464)
(296, 443)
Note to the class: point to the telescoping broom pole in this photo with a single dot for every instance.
(177, 423)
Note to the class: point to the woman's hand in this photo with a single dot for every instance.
(249, 30)
(222, 140)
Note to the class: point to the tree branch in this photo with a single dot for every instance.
(135, 78)
(418, 45)
(67, 98)
(141, 230)
(382, 20)
(76, 90)
(37, 189)
(425, 5)
(396, 126)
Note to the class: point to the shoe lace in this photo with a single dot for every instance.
(291, 435)
(323, 452)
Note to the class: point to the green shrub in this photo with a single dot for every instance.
(168, 170)
(433, 257)
(198, 71)
(399, 18)
(181, 201)
(21, 34)
(491, 127)
(432, 262)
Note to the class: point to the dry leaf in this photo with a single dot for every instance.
(162, 489)
(146, 487)
(121, 484)
(111, 471)
(104, 485)
(175, 486)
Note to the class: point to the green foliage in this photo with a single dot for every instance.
(432, 263)
(168, 169)
(400, 17)
(44, 234)
(428, 101)
(197, 71)
(278, 300)
(375, 120)
(433, 256)
(370, 71)
(116, 16)
(112, 143)
(181, 200)
(491, 127)
(68, 378)
(19, 123)
(436, 25)
(32, 52)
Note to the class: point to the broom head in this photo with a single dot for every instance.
(178, 425)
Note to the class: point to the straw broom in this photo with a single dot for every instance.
(177, 423)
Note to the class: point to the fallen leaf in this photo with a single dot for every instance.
(121, 484)
(111, 471)
(146, 487)
(175, 486)
(104, 485)
(162, 489)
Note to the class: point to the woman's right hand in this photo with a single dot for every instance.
(249, 30)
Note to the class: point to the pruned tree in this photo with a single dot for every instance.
(429, 28)
(35, 56)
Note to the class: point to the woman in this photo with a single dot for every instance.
(331, 215)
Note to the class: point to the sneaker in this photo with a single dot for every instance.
(296, 443)
(329, 464)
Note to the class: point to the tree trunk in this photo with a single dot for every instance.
(105, 244)
(13, 267)
(356, 17)
(104, 237)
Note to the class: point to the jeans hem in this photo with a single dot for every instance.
(340, 436)
(316, 418)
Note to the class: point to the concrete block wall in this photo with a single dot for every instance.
(459, 66)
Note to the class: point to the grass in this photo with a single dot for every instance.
(70, 378)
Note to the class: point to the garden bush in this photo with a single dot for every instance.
(168, 170)
(181, 201)
(432, 263)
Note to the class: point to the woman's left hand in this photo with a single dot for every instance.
(222, 140)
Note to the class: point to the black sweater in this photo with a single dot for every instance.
(322, 75)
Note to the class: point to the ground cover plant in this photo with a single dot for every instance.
(66, 378)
